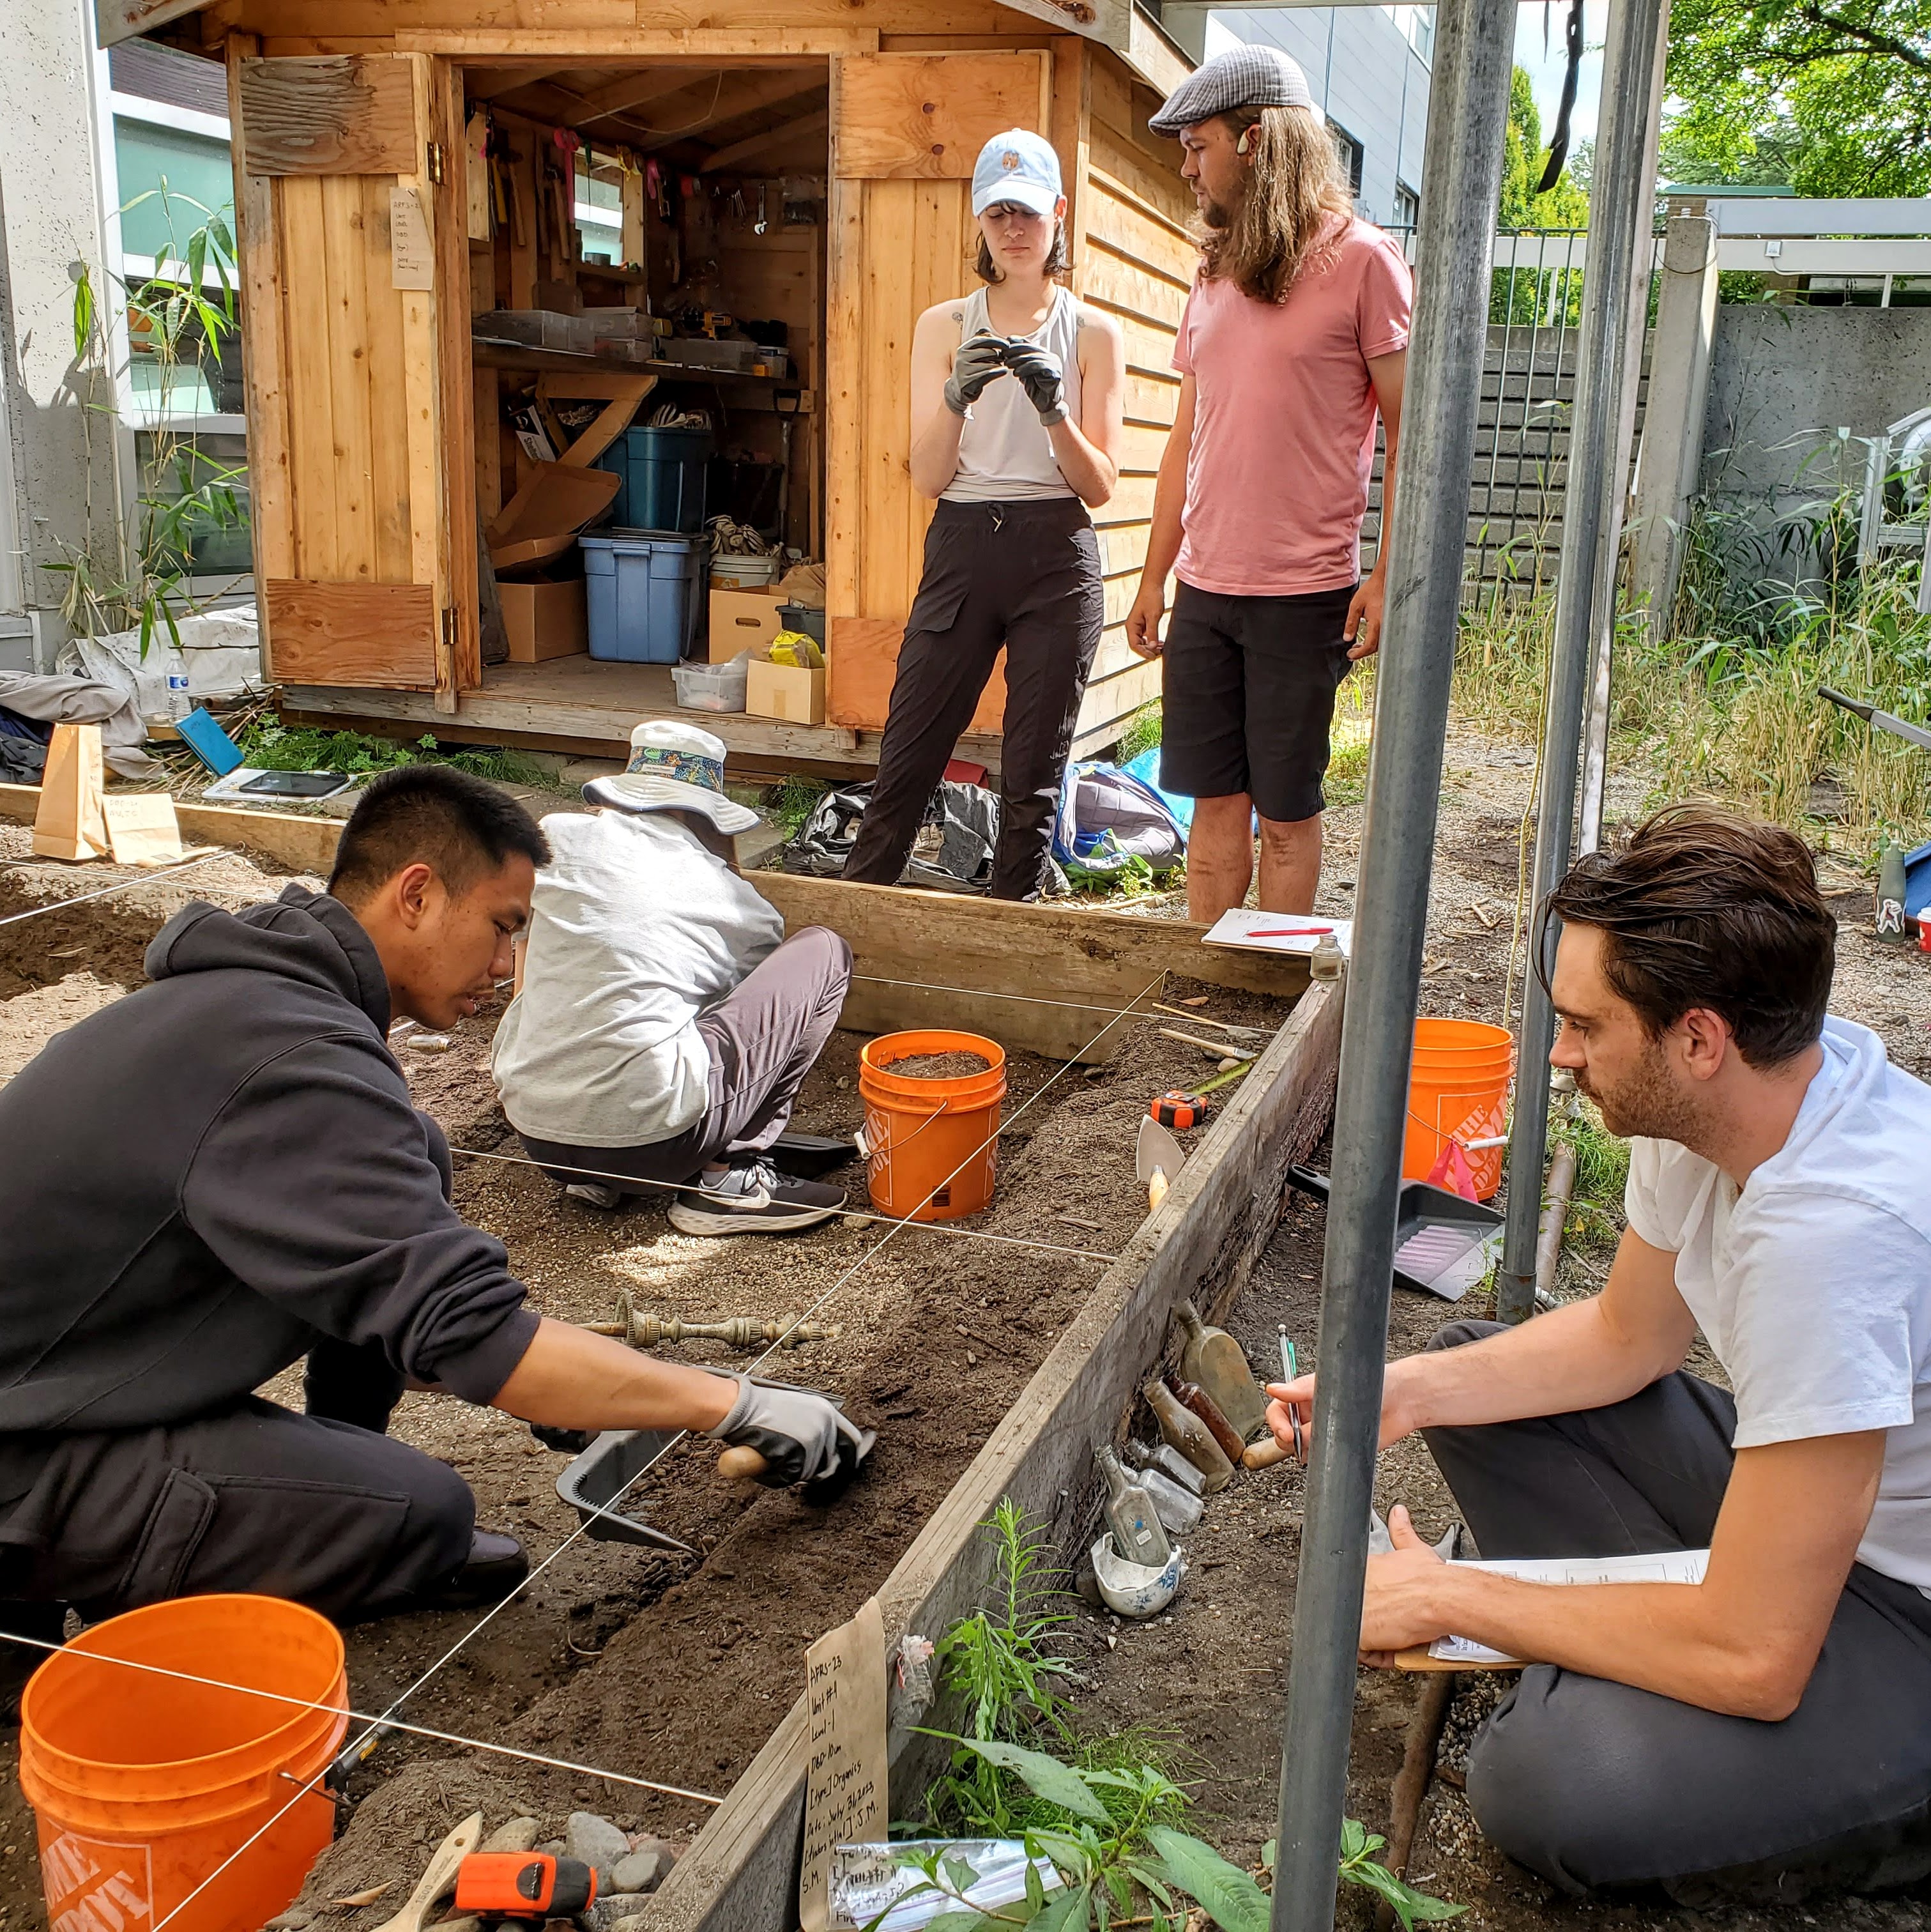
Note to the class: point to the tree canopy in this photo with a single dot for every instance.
(1565, 206)
(1831, 96)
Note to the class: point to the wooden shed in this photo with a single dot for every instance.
(405, 168)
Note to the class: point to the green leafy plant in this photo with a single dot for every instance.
(1119, 1864)
(1142, 734)
(179, 316)
(269, 746)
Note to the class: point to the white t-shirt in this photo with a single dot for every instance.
(1813, 1285)
(635, 928)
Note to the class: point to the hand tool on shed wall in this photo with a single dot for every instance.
(440, 1875)
(1157, 1157)
(1212, 1358)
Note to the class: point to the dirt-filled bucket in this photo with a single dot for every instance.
(1458, 1090)
(929, 1128)
(142, 1785)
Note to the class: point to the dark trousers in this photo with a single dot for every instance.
(314, 1507)
(764, 1035)
(1024, 577)
(1591, 1783)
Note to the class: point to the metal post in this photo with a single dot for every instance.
(1461, 182)
(1646, 259)
(1607, 275)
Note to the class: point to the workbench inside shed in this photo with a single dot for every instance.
(383, 391)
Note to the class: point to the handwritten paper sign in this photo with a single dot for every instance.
(845, 1787)
(411, 254)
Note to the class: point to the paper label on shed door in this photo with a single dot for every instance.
(93, 1887)
(411, 254)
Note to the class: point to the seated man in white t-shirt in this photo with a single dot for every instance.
(663, 1023)
(1768, 1729)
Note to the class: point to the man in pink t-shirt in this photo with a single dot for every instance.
(1295, 337)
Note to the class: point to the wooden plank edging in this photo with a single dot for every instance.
(741, 1876)
(305, 845)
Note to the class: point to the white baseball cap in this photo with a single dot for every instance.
(1017, 166)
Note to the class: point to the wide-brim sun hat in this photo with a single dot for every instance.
(673, 767)
(1017, 166)
(1252, 77)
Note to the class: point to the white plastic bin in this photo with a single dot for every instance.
(712, 687)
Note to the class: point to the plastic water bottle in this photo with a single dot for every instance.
(179, 703)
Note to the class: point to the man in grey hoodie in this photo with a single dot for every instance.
(223, 1173)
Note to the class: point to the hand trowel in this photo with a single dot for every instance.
(1157, 1158)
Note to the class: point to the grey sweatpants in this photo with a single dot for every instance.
(764, 1035)
(316, 1507)
(1591, 1783)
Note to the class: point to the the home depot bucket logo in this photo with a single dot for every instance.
(93, 1887)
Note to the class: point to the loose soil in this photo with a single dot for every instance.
(938, 1065)
(656, 1666)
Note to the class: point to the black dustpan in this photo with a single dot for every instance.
(1442, 1243)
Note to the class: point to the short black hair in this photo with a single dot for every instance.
(461, 827)
(1705, 907)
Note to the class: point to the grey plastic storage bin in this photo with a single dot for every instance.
(646, 596)
(662, 478)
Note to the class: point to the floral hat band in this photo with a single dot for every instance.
(686, 767)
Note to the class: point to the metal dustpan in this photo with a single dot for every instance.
(1443, 1245)
(592, 1483)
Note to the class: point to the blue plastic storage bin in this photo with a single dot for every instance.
(645, 590)
(662, 472)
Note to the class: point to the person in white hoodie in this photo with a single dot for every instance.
(1765, 1731)
(664, 1024)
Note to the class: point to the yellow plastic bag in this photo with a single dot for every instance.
(797, 650)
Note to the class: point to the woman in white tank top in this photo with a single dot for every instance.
(1016, 394)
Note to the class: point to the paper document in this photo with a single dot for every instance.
(1240, 927)
(1665, 1566)
(868, 1880)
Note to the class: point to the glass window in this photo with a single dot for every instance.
(600, 211)
(198, 183)
(1350, 150)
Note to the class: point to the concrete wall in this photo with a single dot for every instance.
(1362, 70)
(1784, 381)
(57, 466)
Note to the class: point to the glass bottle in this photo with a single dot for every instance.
(1191, 1436)
(1131, 1515)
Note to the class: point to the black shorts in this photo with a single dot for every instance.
(1247, 692)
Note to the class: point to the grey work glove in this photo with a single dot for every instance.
(979, 361)
(1039, 374)
(801, 1435)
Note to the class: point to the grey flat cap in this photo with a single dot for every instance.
(1241, 77)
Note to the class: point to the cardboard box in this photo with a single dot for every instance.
(544, 619)
(782, 691)
(743, 620)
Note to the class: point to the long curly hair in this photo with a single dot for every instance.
(1288, 219)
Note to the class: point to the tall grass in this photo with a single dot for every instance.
(1725, 702)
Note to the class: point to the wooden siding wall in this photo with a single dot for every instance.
(1136, 262)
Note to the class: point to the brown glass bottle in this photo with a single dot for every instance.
(1204, 1406)
(1189, 1436)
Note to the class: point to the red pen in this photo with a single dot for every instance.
(1286, 931)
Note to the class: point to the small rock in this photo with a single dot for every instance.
(469, 1922)
(598, 1842)
(609, 1912)
(293, 1920)
(640, 1873)
(667, 1852)
(514, 1834)
(551, 1848)
(641, 1923)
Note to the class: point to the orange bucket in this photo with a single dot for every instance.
(931, 1140)
(1458, 1090)
(142, 1785)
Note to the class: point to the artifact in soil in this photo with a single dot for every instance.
(1185, 1432)
(1214, 1359)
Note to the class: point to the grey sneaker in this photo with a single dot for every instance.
(751, 1197)
(596, 1193)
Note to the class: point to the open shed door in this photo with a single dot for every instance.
(349, 209)
(906, 130)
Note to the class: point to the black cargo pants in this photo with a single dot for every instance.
(1024, 578)
(322, 1508)
(1591, 1783)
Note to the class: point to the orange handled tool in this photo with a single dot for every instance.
(523, 1885)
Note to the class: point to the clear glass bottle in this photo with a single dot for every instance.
(1177, 1506)
(1190, 1435)
(1131, 1515)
